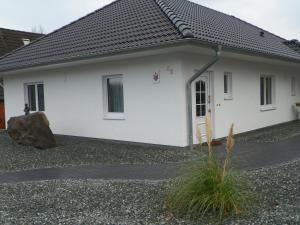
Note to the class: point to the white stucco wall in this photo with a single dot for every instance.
(244, 110)
(154, 113)
(74, 100)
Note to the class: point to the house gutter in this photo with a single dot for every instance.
(189, 92)
(177, 43)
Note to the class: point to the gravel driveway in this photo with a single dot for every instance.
(139, 202)
(271, 134)
(73, 151)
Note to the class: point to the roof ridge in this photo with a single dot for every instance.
(182, 26)
(55, 31)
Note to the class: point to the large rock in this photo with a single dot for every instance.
(31, 130)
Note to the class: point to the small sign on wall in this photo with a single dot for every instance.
(156, 78)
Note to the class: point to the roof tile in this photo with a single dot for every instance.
(122, 25)
(216, 27)
(136, 24)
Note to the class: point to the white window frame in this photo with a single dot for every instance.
(272, 106)
(293, 86)
(112, 115)
(36, 95)
(228, 95)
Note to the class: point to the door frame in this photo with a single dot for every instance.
(211, 91)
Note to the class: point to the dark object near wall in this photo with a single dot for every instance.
(216, 143)
(31, 130)
(2, 115)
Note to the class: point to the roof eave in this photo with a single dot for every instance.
(177, 43)
(249, 52)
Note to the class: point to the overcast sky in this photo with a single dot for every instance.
(281, 17)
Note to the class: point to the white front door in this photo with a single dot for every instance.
(201, 105)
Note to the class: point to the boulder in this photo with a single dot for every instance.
(31, 130)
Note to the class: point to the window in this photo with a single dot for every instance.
(293, 86)
(114, 97)
(228, 86)
(201, 98)
(267, 93)
(34, 96)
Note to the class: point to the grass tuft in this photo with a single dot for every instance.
(203, 191)
(209, 187)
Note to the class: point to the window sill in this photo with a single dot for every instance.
(114, 116)
(228, 98)
(267, 108)
(36, 112)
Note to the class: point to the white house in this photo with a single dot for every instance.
(148, 71)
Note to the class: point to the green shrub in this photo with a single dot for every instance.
(202, 191)
(210, 187)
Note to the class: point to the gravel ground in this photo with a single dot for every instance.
(139, 202)
(72, 151)
(279, 187)
(271, 134)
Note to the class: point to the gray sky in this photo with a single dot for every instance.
(281, 17)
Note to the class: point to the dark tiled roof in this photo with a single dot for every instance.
(137, 24)
(216, 27)
(13, 39)
(293, 44)
(122, 25)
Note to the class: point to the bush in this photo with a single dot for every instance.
(209, 187)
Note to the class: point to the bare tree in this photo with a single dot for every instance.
(38, 29)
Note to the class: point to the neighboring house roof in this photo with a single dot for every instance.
(13, 39)
(293, 44)
(126, 25)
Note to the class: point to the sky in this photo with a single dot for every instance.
(281, 17)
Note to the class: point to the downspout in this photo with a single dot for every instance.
(189, 92)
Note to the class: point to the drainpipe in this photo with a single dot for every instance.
(189, 92)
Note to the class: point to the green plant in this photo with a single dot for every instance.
(208, 186)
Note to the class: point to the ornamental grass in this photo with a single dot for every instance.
(208, 186)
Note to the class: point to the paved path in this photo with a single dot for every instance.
(256, 155)
(245, 156)
(123, 172)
